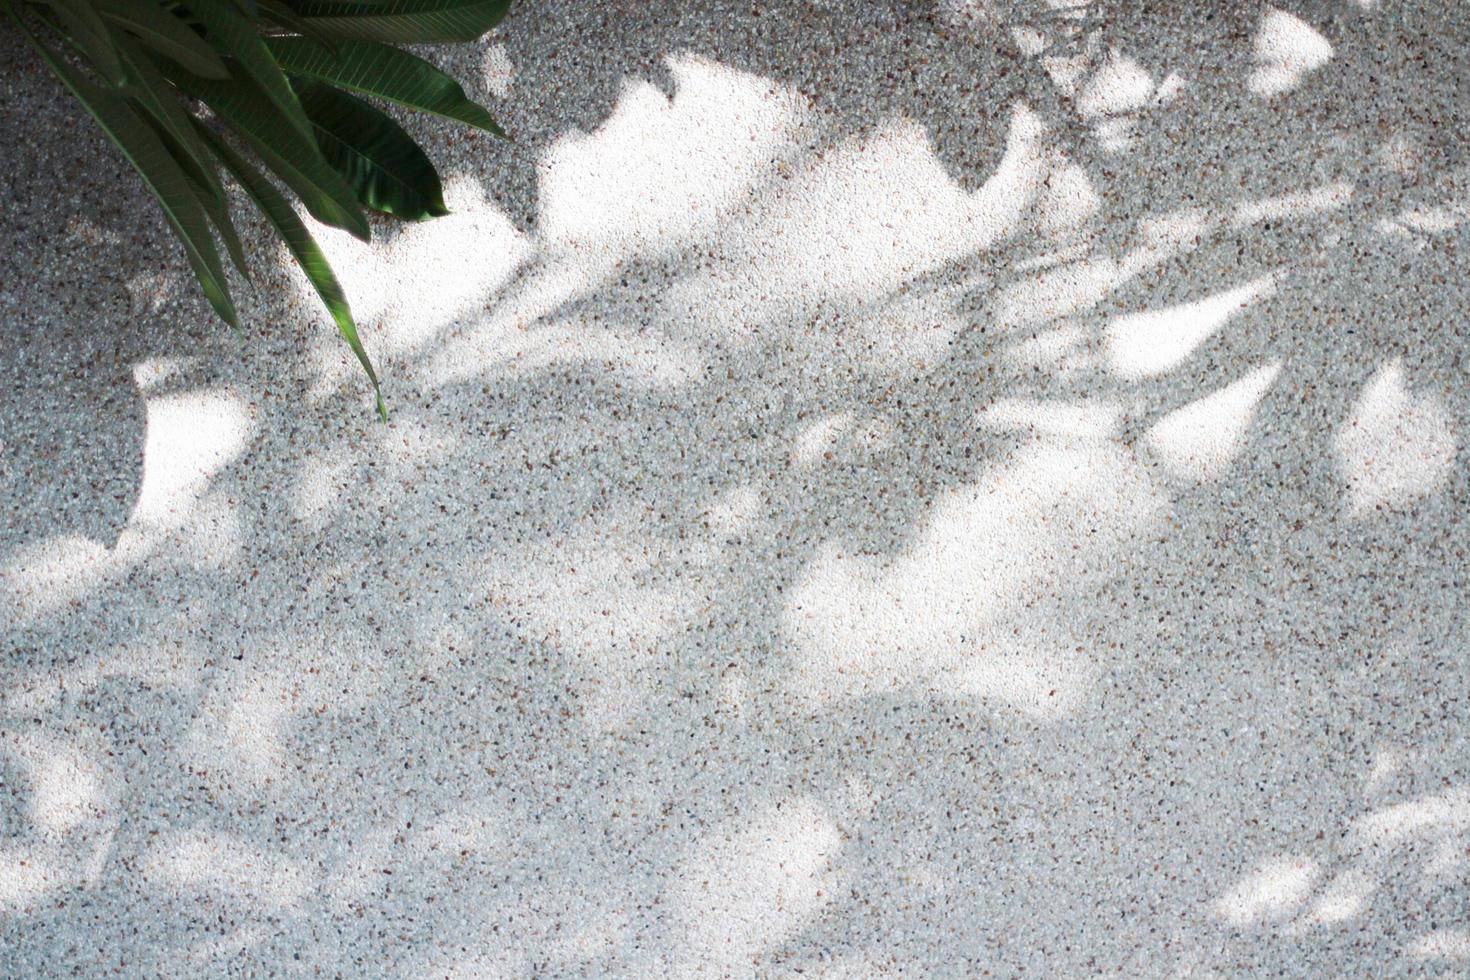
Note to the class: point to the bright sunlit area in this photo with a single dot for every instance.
(911, 488)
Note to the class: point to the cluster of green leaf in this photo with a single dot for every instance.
(280, 80)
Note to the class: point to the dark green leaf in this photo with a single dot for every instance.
(293, 231)
(295, 158)
(386, 72)
(160, 105)
(159, 170)
(382, 163)
(406, 21)
(285, 17)
(216, 207)
(158, 99)
(236, 35)
(164, 33)
(85, 28)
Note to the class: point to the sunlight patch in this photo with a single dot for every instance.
(661, 169)
(854, 226)
(1286, 49)
(1121, 85)
(1086, 419)
(1442, 944)
(1344, 899)
(66, 788)
(819, 439)
(1200, 440)
(1069, 202)
(25, 877)
(1298, 204)
(191, 436)
(498, 71)
(1397, 446)
(1272, 893)
(201, 862)
(748, 887)
(1141, 345)
(942, 613)
(1443, 813)
(47, 574)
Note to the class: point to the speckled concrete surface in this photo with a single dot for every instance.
(873, 489)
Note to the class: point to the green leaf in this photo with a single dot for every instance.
(381, 162)
(385, 72)
(153, 162)
(295, 158)
(282, 16)
(164, 33)
(85, 29)
(161, 107)
(293, 231)
(216, 207)
(158, 99)
(236, 35)
(406, 21)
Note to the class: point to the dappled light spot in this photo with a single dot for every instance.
(406, 289)
(1144, 344)
(820, 438)
(606, 598)
(1415, 226)
(49, 573)
(1088, 419)
(912, 331)
(1069, 288)
(1120, 85)
(54, 796)
(1296, 204)
(191, 437)
(498, 71)
(1028, 40)
(749, 886)
(238, 736)
(1120, 88)
(26, 878)
(1068, 202)
(66, 788)
(734, 511)
(1387, 764)
(1402, 153)
(1397, 446)
(218, 864)
(1199, 440)
(1170, 88)
(1286, 48)
(647, 360)
(658, 174)
(1449, 859)
(1343, 899)
(1447, 812)
(1442, 944)
(1271, 893)
(854, 225)
(216, 953)
(1060, 291)
(1048, 524)
(661, 170)
(322, 485)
